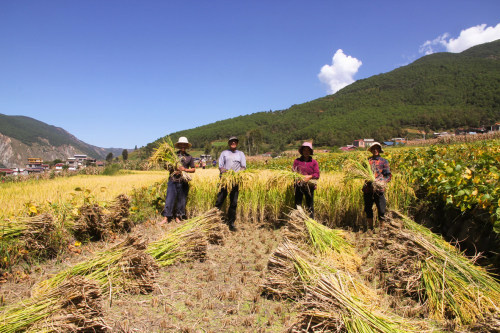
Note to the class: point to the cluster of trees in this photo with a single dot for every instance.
(439, 92)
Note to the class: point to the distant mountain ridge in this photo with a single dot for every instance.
(438, 91)
(22, 137)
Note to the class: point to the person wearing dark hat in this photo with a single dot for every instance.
(308, 167)
(375, 193)
(230, 159)
(178, 187)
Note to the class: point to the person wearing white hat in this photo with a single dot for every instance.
(376, 194)
(178, 187)
(308, 167)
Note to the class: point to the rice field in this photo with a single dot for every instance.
(16, 198)
(321, 267)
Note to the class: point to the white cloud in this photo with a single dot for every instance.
(469, 37)
(340, 73)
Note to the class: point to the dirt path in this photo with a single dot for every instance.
(220, 294)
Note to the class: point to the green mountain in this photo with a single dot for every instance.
(22, 137)
(436, 92)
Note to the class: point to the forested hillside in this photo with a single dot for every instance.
(436, 92)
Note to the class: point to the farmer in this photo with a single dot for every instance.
(374, 193)
(308, 167)
(230, 159)
(178, 186)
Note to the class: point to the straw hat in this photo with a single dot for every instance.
(375, 144)
(182, 142)
(308, 145)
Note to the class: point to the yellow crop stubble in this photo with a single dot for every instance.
(14, 196)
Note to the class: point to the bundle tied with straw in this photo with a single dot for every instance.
(73, 306)
(451, 285)
(166, 156)
(189, 241)
(355, 169)
(124, 267)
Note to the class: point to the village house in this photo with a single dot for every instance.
(363, 143)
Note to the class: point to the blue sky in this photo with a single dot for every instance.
(121, 73)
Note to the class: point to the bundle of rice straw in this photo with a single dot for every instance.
(362, 170)
(331, 305)
(189, 241)
(91, 224)
(231, 178)
(451, 285)
(117, 219)
(324, 241)
(74, 306)
(41, 237)
(289, 270)
(284, 179)
(166, 156)
(124, 267)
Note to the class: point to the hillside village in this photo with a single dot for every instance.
(36, 165)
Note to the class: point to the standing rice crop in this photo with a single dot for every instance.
(73, 306)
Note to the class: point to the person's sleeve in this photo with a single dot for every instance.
(243, 161)
(191, 163)
(315, 170)
(222, 161)
(295, 167)
(387, 172)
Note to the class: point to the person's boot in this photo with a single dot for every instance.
(231, 226)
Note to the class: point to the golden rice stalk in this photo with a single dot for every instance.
(166, 156)
(124, 267)
(362, 170)
(450, 283)
(231, 178)
(74, 306)
(327, 242)
(190, 240)
(331, 305)
(284, 179)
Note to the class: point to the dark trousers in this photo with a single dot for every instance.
(308, 192)
(176, 191)
(233, 203)
(378, 199)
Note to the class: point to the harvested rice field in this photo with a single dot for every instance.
(113, 267)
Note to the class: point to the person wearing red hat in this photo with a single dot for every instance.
(376, 194)
(308, 167)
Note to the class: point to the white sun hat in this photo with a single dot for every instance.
(182, 142)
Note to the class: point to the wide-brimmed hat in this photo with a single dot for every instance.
(308, 145)
(182, 142)
(233, 138)
(375, 144)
